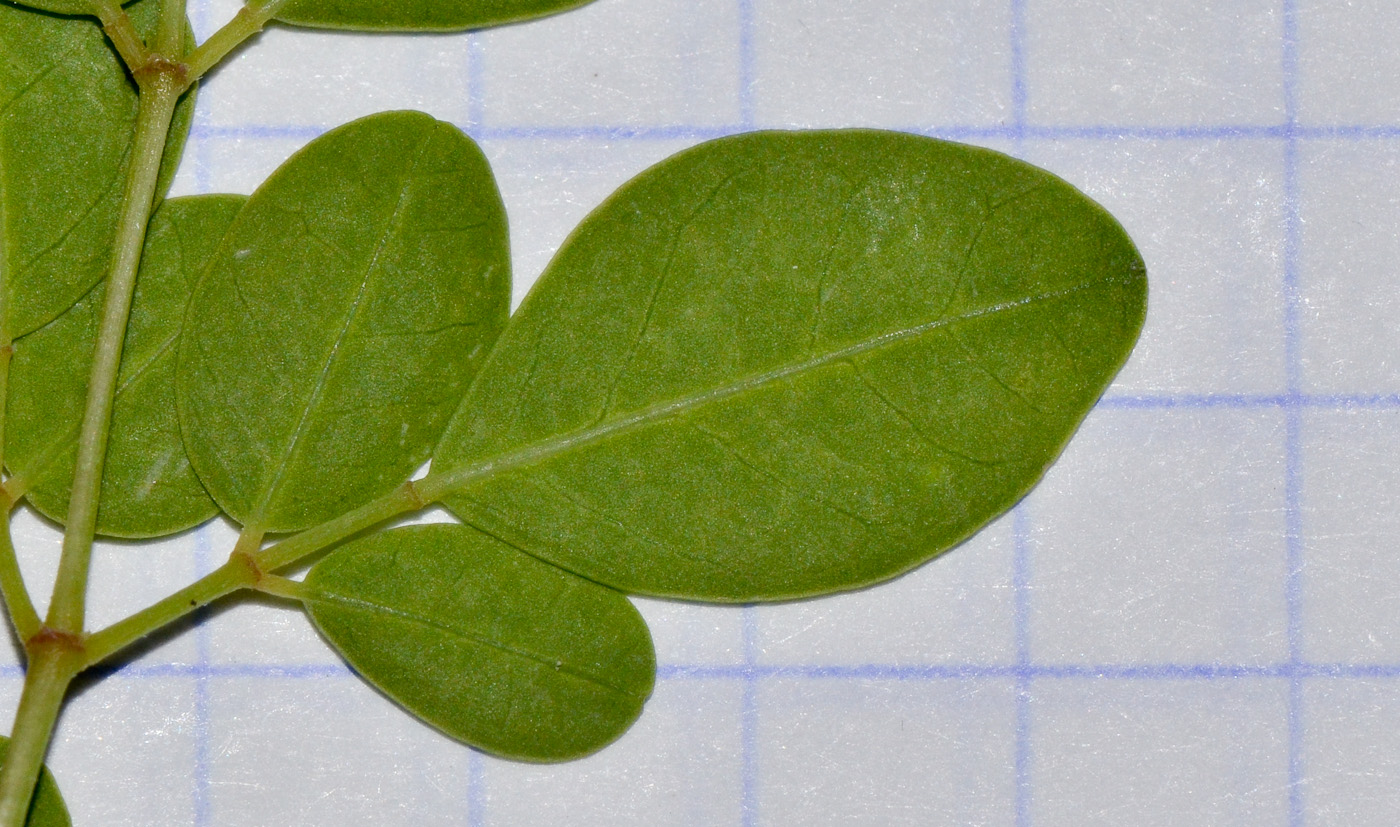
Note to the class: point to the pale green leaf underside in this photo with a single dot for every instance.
(148, 486)
(489, 645)
(67, 109)
(782, 364)
(418, 15)
(341, 320)
(47, 808)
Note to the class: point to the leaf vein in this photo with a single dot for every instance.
(908, 420)
(441, 484)
(635, 345)
(802, 491)
(553, 664)
(303, 422)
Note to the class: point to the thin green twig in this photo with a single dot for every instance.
(247, 22)
(160, 92)
(120, 30)
(17, 600)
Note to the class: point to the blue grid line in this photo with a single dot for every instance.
(476, 789)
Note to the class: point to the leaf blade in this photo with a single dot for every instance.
(796, 376)
(422, 15)
(341, 319)
(489, 645)
(67, 109)
(148, 486)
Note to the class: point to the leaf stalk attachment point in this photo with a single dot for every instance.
(248, 568)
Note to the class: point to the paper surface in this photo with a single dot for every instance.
(1191, 621)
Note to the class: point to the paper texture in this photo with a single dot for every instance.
(1193, 620)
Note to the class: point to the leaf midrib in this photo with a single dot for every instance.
(442, 484)
(259, 513)
(556, 665)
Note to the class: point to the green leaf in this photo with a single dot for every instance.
(148, 486)
(418, 15)
(46, 809)
(341, 319)
(782, 364)
(70, 7)
(487, 644)
(67, 110)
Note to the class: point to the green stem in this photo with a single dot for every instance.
(170, 32)
(160, 92)
(247, 22)
(275, 586)
(409, 497)
(122, 33)
(17, 600)
(53, 661)
(247, 568)
(402, 500)
(230, 577)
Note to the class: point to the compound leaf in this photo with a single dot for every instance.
(341, 319)
(67, 110)
(489, 645)
(418, 15)
(782, 364)
(148, 486)
(46, 808)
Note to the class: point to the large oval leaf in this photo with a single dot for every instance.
(148, 486)
(487, 644)
(46, 808)
(418, 15)
(341, 319)
(781, 364)
(67, 110)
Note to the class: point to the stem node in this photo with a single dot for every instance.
(158, 68)
(249, 564)
(55, 639)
